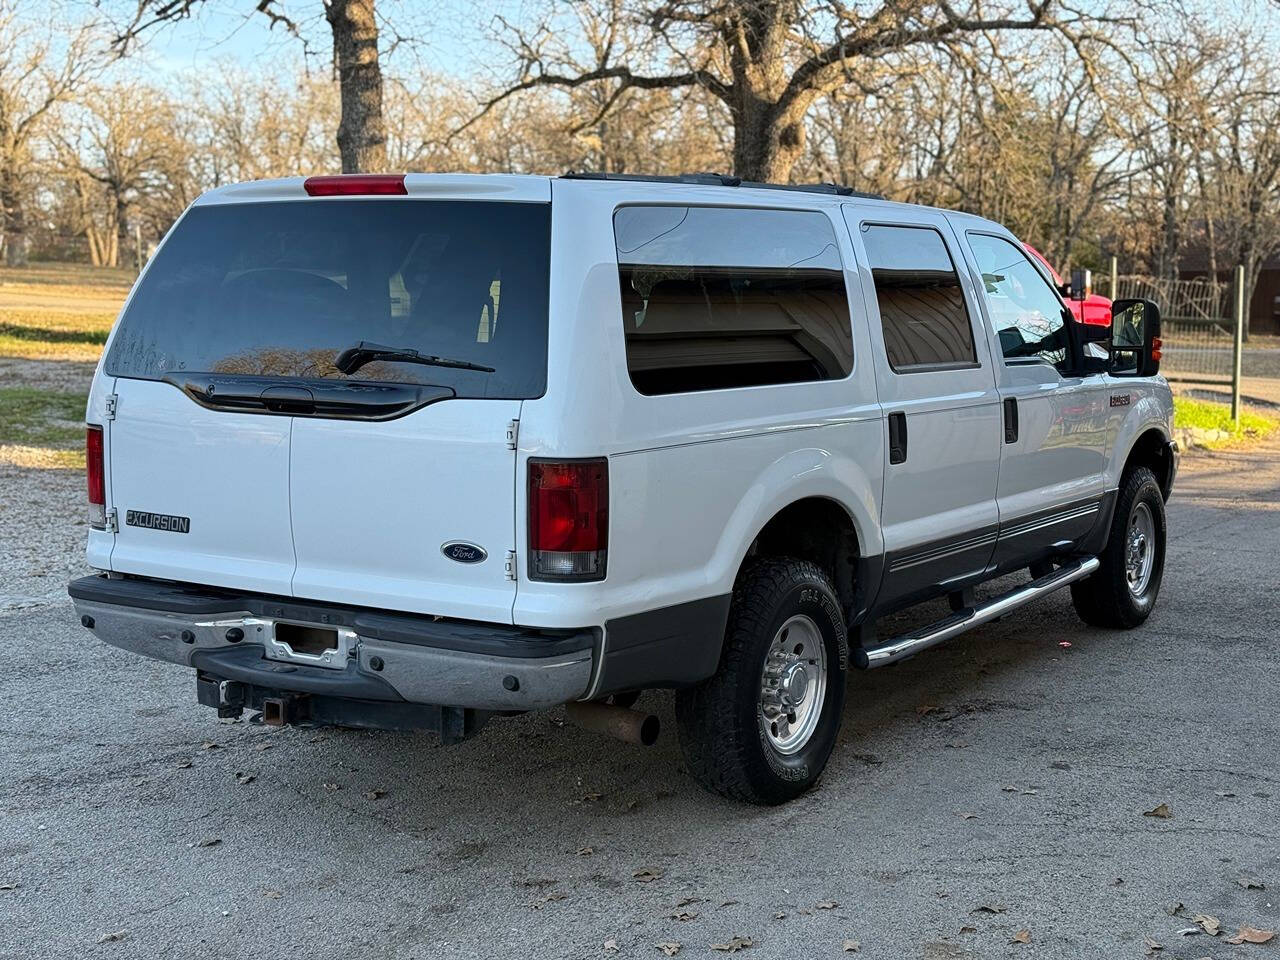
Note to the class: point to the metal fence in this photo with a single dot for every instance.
(1196, 324)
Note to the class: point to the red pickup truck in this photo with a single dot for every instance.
(1093, 309)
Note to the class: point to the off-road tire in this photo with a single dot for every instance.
(1104, 599)
(721, 734)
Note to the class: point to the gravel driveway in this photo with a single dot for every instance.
(988, 790)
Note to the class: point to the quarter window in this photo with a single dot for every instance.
(922, 310)
(716, 298)
(1026, 313)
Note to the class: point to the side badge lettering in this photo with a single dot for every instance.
(464, 552)
(1120, 399)
(157, 521)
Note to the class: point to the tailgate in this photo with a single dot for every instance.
(200, 495)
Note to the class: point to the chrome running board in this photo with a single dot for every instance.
(909, 644)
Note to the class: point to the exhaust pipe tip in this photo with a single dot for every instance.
(623, 723)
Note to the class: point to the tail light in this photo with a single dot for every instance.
(568, 519)
(1156, 344)
(96, 476)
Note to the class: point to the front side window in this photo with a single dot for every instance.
(922, 310)
(716, 298)
(1025, 311)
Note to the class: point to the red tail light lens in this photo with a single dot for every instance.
(356, 184)
(1155, 349)
(568, 519)
(96, 475)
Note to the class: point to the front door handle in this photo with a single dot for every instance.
(897, 437)
(1011, 420)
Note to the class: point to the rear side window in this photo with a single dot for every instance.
(922, 310)
(278, 290)
(714, 298)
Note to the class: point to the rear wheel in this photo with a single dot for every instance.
(762, 728)
(1123, 592)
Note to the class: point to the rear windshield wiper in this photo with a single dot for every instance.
(353, 358)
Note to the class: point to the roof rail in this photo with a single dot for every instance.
(723, 180)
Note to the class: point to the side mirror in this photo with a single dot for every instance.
(1135, 337)
(1081, 284)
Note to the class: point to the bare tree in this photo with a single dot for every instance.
(37, 73)
(767, 61)
(361, 135)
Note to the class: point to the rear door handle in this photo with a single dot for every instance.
(1011, 420)
(897, 437)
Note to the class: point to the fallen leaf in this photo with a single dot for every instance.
(1247, 934)
(968, 929)
(668, 947)
(586, 851)
(9, 886)
(779, 916)
(685, 901)
(927, 708)
(1022, 936)
(538, 882)
(1250, 884)
(1224, 794)
(1190, 932)
(1210, 925)
(589, 798)
(272, 894)
(1162, 812)
(734, 945)
(826, 904)
(555, 896)
(611, 946)
(852, 946)
(646, 875)
(684, 916)
(1173, 909)
(870, 759)
(967, 816)
(956, 745)
(209, 842)
(113, 936)
(374, 794)
(729, 903)
(244, 778)
(1151, 945)
(264, 746)
(319, 738)
(333, 786)
(184, 764)
(1007, 788)
(989, 908)
(209, 745)
(1030, 791)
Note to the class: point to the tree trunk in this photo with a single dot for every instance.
(766, 146)
(14, 219)
(362, 137)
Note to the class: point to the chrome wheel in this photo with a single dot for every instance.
(1140, 549)
(794, 685)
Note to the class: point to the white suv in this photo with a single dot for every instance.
(412, 451)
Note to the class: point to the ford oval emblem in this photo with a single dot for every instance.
(464, 552)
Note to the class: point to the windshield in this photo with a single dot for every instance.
(280, 289)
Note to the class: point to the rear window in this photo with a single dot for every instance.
(716, 297)
(280, 289)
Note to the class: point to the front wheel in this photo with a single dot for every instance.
(762, 728)
(1123, 591)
